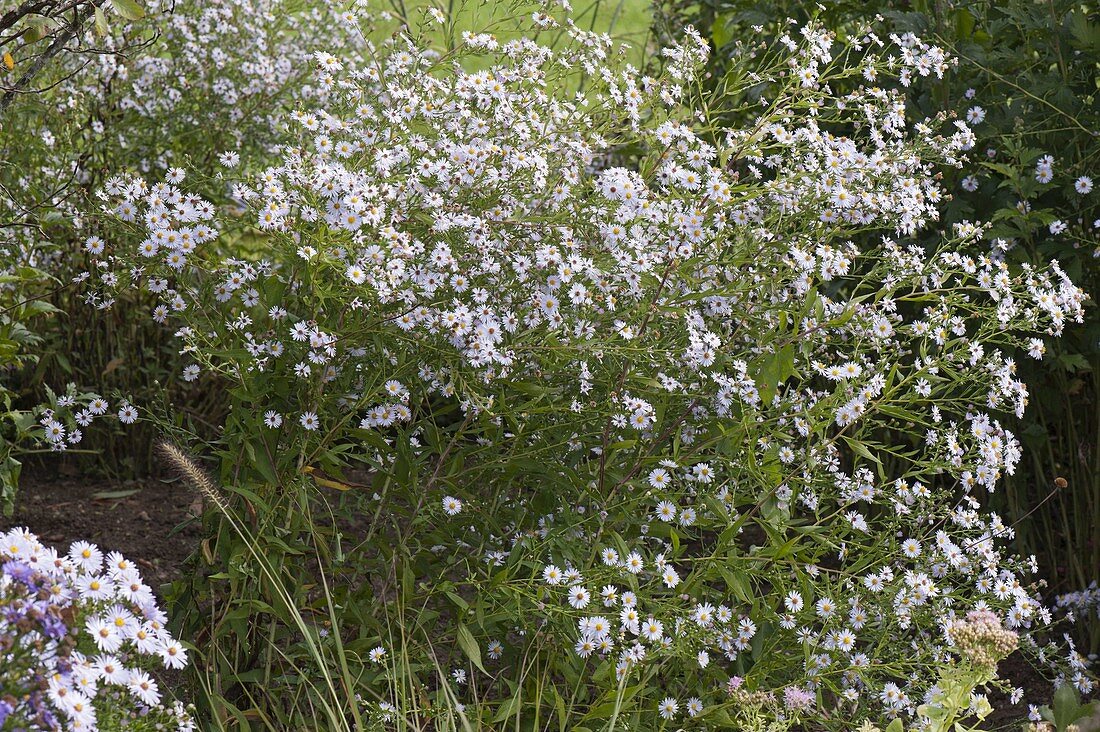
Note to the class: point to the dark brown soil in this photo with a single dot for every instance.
(152, 526)
(1019, 672)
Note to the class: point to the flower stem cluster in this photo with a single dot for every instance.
(982, 640)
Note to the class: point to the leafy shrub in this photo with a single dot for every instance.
(542, 405)
(77, 639)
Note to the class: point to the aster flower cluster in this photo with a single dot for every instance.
(1086, 602)
(79, 633)
(684, 393)
(221, 77)
(63, 419)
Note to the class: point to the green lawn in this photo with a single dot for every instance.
(626, 20)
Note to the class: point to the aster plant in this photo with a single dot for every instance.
(184, 81)
(550, 399)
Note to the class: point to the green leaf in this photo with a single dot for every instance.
(1074, 362)
(467, 643)
(508, 709)
(860, 449)
(109, 495)
(37, 307)
(102, 27)
(1006, 170)
(457, 600)
(559, 707)
(934, 712)
(737, 583)
(38, 27)
(9, 482)
(773, 370)
(896, 726)
(1067, 706)
(964, 24)
(759, 639)
(128, 9)
(720, 33)
(1086, 35)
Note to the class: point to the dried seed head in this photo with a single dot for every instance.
(193, 472)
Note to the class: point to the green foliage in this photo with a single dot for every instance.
(22, 305)
(1067, 708)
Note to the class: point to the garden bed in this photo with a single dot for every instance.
(503, 382)
(146, 520)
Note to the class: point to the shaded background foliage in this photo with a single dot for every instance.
(1033, 68)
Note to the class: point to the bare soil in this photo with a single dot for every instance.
(149, 521)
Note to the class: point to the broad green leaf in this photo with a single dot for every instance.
(128, 9)
(101, 25)
(467, 643)
(1066, 706)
